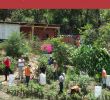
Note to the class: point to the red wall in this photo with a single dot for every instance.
(27, 31)
(72, 39)
(41, 32)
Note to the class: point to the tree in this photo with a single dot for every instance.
(5, 13)
(91, 59)
(62, 52)
(103, 41)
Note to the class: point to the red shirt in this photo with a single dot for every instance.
(7, 63)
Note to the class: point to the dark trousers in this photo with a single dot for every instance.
(27, 80)
(61, 87)
(7, 72)
(55, 75)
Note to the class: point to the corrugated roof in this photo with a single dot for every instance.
(29, 24)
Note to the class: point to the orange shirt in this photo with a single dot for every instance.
(27, 71)
(104, 74)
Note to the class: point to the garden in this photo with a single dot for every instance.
(82, 71)
(81, 65)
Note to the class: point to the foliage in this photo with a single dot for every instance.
(62, 52)
(69, 19)
(76, 96)
(91, 96)
(35, 45)
(103, 40)
(82, 80)
(94, 59)
(105, 94)
(89, 34)
(16, 45)
(49, 73)
(43, 60)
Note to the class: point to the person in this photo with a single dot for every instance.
(11, 79)
(42, 77)
(27, 74)
(21, 64)
(104, 76)
(55, 70)
(50, 61)
(61, 82)
(7, 63)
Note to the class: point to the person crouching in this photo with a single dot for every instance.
(27, 74)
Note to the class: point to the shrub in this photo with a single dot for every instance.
(76, 96)
(62, 52)
(35, 45)
(103, 39)
(16, 45)
(49, 74)
(91, 59)
(76, 79)
(91, 96)
(43, 61)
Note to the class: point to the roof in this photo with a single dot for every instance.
(30, 24)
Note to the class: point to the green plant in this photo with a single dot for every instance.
(17, 45)
(103, 39)
(81, 80)
(49, 73)
(62, 52)
(91, 96)
(94, 59)
(43, 60)
(76, 96)
(36, 45)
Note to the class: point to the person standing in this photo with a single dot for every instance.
(55, 67)
(7, 63)
(21, 64)
(50, 61)
(61, 82)
(104, 76)
(42, 77)
(27, 74)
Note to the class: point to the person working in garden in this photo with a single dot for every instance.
(7, 63)
(50, 61)
(27, 74)
(55, 68)
(61, 82)
(42, 77)
(21, 64)
(104, 76)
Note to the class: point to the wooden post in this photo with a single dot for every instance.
(32, 36)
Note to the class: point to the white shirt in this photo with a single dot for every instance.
(20, 62)
(42, 79)
(61, 78)
(11, 79)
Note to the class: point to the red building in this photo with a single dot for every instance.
(42, 31)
